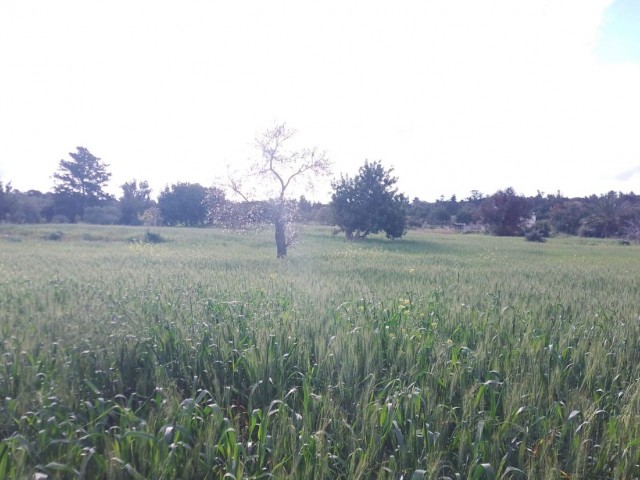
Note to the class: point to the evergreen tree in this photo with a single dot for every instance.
(369, 203)
(80, 183)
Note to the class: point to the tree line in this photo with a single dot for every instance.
(363, 204)
(613, 214)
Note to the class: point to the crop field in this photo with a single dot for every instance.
(436, 356)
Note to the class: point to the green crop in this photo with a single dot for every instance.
(201, 356)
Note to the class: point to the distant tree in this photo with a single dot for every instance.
(452, 206)
(218, 208)
(183, 204)
(151, 217)
(305, 209)
(467, 214)
(6, 201)
(135, 199)
(542, 204)
(103, 215)
(439, 214)
(80, 183)
(369, 203)
(567, 215)
(629, 216)
(505, 213)
(418, 213)
(475, 198)
(279, 167)
(19, 207)
(322, 214)
(604, 219)
(30, 207)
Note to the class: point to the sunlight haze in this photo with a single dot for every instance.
(455, 95)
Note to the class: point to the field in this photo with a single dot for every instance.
(436, 356)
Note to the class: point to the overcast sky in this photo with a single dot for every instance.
(456, 95)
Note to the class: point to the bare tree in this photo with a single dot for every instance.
(279, 168)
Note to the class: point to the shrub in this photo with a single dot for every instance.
(151, 237)
(148, 237)
(535, 236)
(539, 232)
(544, 227)
(54, 236)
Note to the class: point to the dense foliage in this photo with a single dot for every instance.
(368, 203)
(80, 183)
(183, 204)
(505, 213)
(135, 200)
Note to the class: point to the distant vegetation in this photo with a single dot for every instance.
(440, 356)
(359, 205)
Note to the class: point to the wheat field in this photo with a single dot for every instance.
(203, 356)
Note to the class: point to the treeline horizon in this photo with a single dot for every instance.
(79, 195)
(613, 214)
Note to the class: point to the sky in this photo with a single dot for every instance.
(454, 95)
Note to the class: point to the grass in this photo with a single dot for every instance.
(437, 356)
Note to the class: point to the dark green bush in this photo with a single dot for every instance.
(151, 237)
(535, 236)
(55, 236)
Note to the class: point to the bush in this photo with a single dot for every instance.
(544, 227)
(539, 232)
(54, 236)
(535, 236)
(148, 237)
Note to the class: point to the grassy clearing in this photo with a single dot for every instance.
(203, 356)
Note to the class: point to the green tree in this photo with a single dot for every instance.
(567, 215)
(80, 183)
(505, 213)
(183, 204)
(605, 215)
(369, 203)
(6, 200)
(136, 198)
(29, 207)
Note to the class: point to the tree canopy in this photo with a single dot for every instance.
(505, 213)
(369, 203)
(5, 199)
(80, 183)
(183, 204)
(136, 198)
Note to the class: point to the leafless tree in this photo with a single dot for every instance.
(278, 168)
(632, 231)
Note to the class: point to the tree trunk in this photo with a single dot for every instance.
(281, 240)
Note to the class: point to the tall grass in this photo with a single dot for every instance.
(438, 356)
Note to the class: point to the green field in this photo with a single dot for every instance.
(436, 356)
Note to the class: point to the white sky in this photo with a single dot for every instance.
(455, 94)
